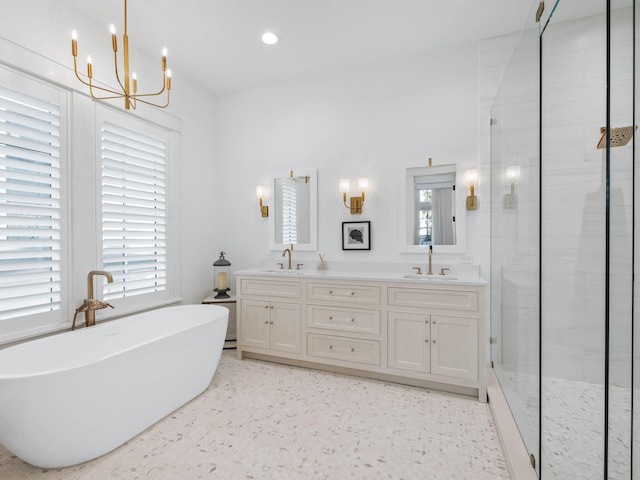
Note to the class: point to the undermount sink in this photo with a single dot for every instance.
(430, 278)
(283, 271)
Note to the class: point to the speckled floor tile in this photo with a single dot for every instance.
(259, 420)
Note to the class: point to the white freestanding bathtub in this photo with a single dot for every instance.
(74, 396)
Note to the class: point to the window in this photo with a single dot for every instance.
(31, 263)
(134, 209)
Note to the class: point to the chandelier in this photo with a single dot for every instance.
(128, 84)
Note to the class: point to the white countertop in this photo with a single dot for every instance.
(457, 275)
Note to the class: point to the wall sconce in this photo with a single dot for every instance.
(261, 192)
(355, 203)
(512, 176)
(471, 180)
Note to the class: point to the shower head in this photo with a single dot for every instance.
(620, 136)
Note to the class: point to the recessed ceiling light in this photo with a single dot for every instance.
(269, 38)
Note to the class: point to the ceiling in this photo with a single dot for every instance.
(217, 42)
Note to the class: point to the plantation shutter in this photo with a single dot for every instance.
(30, 210)
(134, 211)
(289, 214)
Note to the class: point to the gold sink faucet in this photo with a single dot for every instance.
(90, 305)
(288, 251)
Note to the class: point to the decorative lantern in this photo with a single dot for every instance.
(221, 276)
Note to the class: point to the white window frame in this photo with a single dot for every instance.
(170, 294)
(17, 328)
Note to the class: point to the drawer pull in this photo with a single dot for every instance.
(330, 347)
(330, 317)
(353, 293)
(353, 320)
(353, 349)
(434, 341)
(330, 292)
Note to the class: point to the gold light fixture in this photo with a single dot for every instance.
(355, 203)
(129, 84)
(471, 179)
(261, 193)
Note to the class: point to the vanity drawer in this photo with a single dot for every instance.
(344, 319)
(356, 294)
(343, 348)
(433, 298)
(271, 288)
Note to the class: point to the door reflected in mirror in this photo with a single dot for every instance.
(434, 209)
(294, 218)
(430, 209)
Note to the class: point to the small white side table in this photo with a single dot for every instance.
(230, 303)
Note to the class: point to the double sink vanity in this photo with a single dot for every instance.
(385, 321)
(412, 328)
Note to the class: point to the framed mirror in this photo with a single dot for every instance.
(433, 209)
(294, 216)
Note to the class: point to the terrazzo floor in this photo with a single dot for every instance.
(259, 420)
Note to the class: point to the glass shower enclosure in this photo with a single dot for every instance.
(562, 239)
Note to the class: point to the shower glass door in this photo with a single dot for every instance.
(586, 241)
(515, 181)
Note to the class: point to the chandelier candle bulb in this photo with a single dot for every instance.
(135, 82)
(74, 43)
(89, 67)
(114, 39)
(164, 59)
(168, 79)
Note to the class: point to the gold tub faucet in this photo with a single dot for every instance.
(90, 305)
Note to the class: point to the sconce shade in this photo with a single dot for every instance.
(261, 192)
(471, 180)
(355, 202)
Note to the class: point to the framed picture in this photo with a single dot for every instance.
(356, 235)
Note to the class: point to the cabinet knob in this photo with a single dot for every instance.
(353, 320)
(271, 323)
(330, 317)
(353, 293)
(330, 292)
(266, 306)
(434, 341)
(271, 307)
(330, 347)
(434, 322)
(266, 322)
(426, 321)
(353, 349)
(427, 340)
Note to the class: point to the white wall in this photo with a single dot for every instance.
(370, 121)
(36, 38)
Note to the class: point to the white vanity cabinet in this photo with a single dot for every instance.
(436, 344)
(343, 323)
(421, 333)
(271, 314)
(271, 325)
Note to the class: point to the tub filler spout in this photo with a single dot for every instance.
(90, 305)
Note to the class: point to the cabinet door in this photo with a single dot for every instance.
(454, 346)
(409, 337)
(255, 323)
(285, 323)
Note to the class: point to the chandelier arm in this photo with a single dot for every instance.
(151, 103)
(115, 64)
(103, 89)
